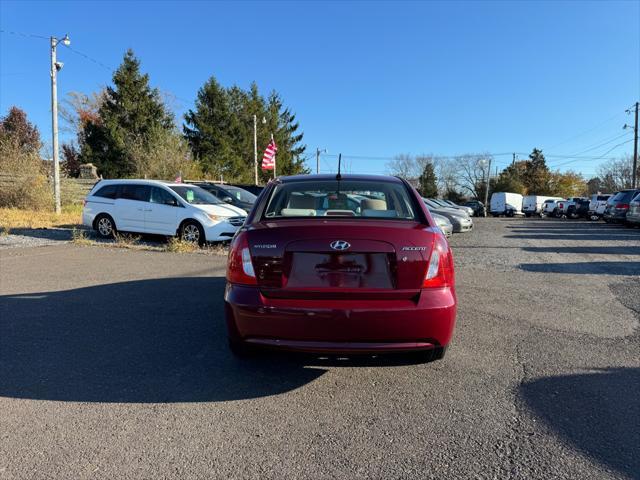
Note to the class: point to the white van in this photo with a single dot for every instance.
(532, 204)
(505, 203)
(161, 208)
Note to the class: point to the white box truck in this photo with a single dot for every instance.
(532, 204)
(505, 203)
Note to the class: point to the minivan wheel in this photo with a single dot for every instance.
(192, 232)
(105, 226)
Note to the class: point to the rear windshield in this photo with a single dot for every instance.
(240, 194)
(624, 197)
(345, 198)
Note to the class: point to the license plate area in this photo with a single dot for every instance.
(340, 270)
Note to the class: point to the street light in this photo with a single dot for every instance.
(55, 68)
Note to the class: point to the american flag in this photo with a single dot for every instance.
(269, 157)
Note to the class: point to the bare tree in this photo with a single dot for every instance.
(617, 174)
(447, 174)
(471, 170)
(78, 107)
(404, 166)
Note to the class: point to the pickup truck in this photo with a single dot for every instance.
(597, 205)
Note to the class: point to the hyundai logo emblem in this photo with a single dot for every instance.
(339, 245)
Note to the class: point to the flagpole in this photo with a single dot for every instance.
(274, 161)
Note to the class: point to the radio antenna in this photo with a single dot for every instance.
(338, 176)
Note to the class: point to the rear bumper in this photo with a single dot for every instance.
(341, 326)
(615, 216)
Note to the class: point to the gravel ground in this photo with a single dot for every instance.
(113, 364)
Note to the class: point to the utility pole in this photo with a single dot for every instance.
(255, 147)
(54, 124)
(318, 152)
(55, 67)
(634, 181)
(513, 162)
(486, 185)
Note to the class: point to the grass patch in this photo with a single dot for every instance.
(177, 245)
(11, 218)
(79, 237)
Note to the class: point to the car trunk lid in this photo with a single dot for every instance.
(340, 258)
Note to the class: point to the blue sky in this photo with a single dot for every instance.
(368, 79)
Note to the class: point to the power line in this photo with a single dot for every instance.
(586, 131)
(91, 59)
(22, 34)
(601, 157)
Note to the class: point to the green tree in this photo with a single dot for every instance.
(536, 174)
(428, 181)
(130, 111)
(220, 132)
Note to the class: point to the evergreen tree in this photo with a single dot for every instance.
(129, 113)
(220, 132)
(428, 181)
(536, 175)
(210, 130)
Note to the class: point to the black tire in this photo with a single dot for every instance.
(527, 214)
(240, 349)
(509, 213)
(192, 232)
(431, 355)
(104, 226)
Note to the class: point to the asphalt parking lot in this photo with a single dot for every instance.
(113, 364)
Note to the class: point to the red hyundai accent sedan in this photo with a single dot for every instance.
(340, 265)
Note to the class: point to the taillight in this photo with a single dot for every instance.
(622, 206)
(440, 271)
(239, 264)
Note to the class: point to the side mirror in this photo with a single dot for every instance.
(172, 201)
(227, 199)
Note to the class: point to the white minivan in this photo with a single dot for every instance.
(162, 208)
(506, 203)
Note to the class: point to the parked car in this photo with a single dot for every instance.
(460, 220)
(443, 222)
(236, 196)
(375, 281)
(579, 208)
(618, 206)
(549, 208)
(151, 206)
(597, 205)
(532, 204)
(451, 204)
(633, 215)
(505, 203)
(477, 206)
(255, 189)
(563, 206)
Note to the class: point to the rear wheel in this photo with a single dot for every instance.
(105, 226)
(192, 232)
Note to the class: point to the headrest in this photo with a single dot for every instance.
(373, 204)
